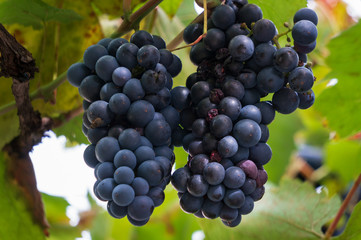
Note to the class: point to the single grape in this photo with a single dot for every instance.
(141, 208)
(92, 54)
(223, 16)
(125, 158)
(241, 47)
(234, 177)
(124, 175)
(76, 73)
(285, 101)
(264, 30)
(304, 32)
(285, 59)
(247, 132)
(301, 79)
(141, 38)
(192, 32)
(123, 195)
(306, 99)
(305, 14)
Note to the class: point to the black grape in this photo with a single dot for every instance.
(106, 149)
(108, 90)
(249, 13)
(76, 73)
(119, 104)
(148, 56)
(301, 79)
(125, 158)
(241, 47)
(141, 208)
(92, 54)
(192, 32)
(127, 55)
(120, 76)
(129, 139)
(104, 170)
(306, 14)
(264, 30)
(144, 153)
(223, 17)
(247, 132)
(214, 40)
(234, 177)
(133, 89)
(304, 32)
(157, 195)
(285, 101)
(140, 186)
(306, 99)
(141, 38)
(263, 54)
(99, 113)
(250, 112)
(140, 113)
(158, 42)
(89, 156)
(227, 146)
(123, 195)
(123, 175)
(90, 88)
(285, 59)
(115, 44)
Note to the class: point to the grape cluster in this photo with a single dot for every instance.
(128, 120)
(223, 120)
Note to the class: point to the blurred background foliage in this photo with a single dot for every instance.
(57, 32)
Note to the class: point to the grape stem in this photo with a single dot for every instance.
(275, 38)
(205, 18)
(134, 19)
(342, 209)
(191, 44)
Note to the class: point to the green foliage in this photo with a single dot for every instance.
(282, 130)
(34, 13)
(353, 230)
(340, 104)
(279, 11)
(344, 157)
(15, 220)
(72, 131)
(291, 211)
(55, 209)
(171, 6)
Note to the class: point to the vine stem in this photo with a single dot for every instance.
(127, 8)
(342, 209)
(134, 19)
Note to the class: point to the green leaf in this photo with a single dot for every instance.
(344, 157)
(291, 211)
(353, 227)
(340, 104)
(186, 12)
(72, 130)
(115, 8)
(55, 208)
(171, 6)
(281, 141)
(279, 11)
(16, 221)
(34, 13)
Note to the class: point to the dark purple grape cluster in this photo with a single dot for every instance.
(223, 120)
(128, 120)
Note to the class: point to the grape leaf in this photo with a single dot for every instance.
(278, 11)
(344, 157)
(72, 130)
(114, 8)
(15, 216)
(171, 6)
(353, 227)
(34, 13)
(291, 211)
(338, 101)
(186, 12)
(282, 131)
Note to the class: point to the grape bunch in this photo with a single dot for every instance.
(128, 120)
(223, 121)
